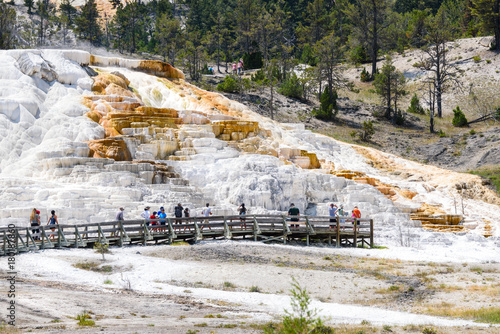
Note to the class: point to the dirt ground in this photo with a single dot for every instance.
(48, 304)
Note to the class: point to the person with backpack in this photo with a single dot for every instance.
(295, 213)
(243, 211)
(178, 213)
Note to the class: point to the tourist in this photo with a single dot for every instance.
(293, 211)
(242, 211)
(52, 221)
(146, 214)
(35, 221)
(119, 215)
(239, 67)
(154, 216)
(206, 212)
(178, 213)
(119, 218)
(234, 68)
(341, 213)
(332, 211)
(356, 213)
(162, 215)
(186, 214)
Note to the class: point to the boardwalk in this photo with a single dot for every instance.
(348, 232)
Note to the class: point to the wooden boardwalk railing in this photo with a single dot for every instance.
(346, 231)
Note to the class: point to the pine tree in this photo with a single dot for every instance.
(367, 18)
(7, 26)
(488, 13)
(170, 37)
(87, 24)
(389, 84)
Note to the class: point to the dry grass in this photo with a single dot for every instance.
(487, 315)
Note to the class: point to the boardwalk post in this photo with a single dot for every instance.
(286, 230)
(337, 239)
(197, 231)
(171, 231)
(29, 237)
(256, 228)
(227, 231)
(355, 241)
(100, 235)
(371, 234)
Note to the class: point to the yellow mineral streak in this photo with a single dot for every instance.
(112, 148)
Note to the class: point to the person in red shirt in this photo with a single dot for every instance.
(356, 213)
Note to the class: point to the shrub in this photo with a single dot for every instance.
(459, 118)
(365, 76)
(328, 106)
(291, 87)
(399, 117)
(472, 132)
(84, 319)
(368, 131)
(415, 106)
(476, 59)
(229, 85)
(259, 76)
(429, 330)
(441, 133)
(254, 288)
(301, 319)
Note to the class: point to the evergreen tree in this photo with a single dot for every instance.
(170, 37)
(488, 13)
(7, 26)
(66, 16)
(389, 84)
(368, 18)
(87, 24)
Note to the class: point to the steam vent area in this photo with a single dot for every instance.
(84, 135)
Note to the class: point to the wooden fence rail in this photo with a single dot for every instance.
(343, 231)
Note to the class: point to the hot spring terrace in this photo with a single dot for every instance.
(344, 232)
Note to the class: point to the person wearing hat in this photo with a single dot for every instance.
(35, 221)
(162, 214)
(293, 211)
(146, 214)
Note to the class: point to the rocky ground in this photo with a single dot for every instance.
(47, 303)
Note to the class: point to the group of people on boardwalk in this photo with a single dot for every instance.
(35, 223)
(335, 212)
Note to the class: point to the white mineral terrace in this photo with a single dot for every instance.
(45, 161)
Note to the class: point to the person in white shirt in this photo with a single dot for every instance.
(206, 212)
(146, 214)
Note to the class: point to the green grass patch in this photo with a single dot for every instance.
(93, 266)
(491, 173)
(85, 319)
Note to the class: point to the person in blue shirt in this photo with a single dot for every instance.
(162, 214)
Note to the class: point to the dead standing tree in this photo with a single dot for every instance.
(434, 59)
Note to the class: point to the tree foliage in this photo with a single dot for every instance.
(390, 84)
(459, 119)
(7, 26)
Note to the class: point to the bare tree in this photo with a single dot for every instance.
(443, 73)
